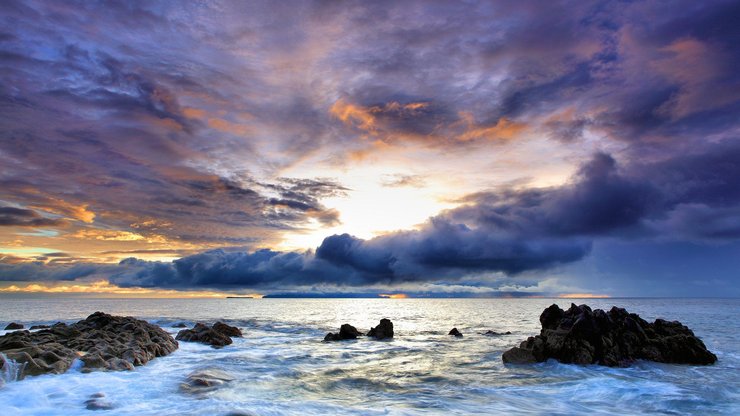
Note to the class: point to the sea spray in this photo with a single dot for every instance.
(11, 370)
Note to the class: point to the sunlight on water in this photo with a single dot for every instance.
(281, 366)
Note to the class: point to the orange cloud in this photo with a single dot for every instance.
(191, 112)
(64, 208)
(503, 129)
(103, 287)
(115, 235)
(228, 127)
(393, 295)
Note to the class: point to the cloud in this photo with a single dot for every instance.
(19, 217)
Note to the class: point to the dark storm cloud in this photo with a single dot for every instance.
(178, 119)
(18, 217)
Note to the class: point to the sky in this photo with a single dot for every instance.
(534, 148)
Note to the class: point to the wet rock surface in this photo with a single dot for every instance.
(384, 330)
(219, 335)
(13, 326)
(205, 380)
(346, 332)
(615, 338)
(98, 401)
(101, 342)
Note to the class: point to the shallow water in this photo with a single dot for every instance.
(282, 367)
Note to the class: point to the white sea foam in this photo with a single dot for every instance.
(282, 367)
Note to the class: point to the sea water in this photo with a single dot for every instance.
(281, 366)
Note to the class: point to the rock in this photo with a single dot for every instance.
(13, 326)
(205, 380)
(383, 330)
(518, 355)
(615, 338)
(229, 330)
(97, 402)
(346, 331)
(455, 332)
(204, 334)
(180, 325)
(40, 327)
(101, 342)
(494, 333)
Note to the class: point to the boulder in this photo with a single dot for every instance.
(455, 332)
(346, 331)
(383, 330)
(205, 380)
(101, 342)
(13, 326)
(615, 338)
(229, 330)
(204, 334)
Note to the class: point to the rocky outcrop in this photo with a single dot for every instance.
(615, 338)
(101, 342)
(205, 380)
(455, 332)
(346, 331)
(13, 326)
(219, 335)
(229, 330)
(384, 330)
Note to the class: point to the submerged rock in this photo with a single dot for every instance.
(13, 326)
(40, 327)
(346, 331)
(205, 380)
(97, 402)
(180, 325)
(383, 330)
(218, 335)
(494, 333)
(455, 332)
(101, 341)
(615, 338)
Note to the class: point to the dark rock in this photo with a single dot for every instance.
(383, 330)
(205, 380)
(455, 332)
(346, 331)
(101, 341)
(97, 402)
(204, 334)
(180, 325)
(229, 330)
(494, 333)
(13, 326)
(615, 338)
(40, 327)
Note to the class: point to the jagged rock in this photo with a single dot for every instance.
(346, 331)
(40, 327)
(101, 341)
(494, 333)
(205, 380)
(383, 330)
(615, 338)
(204, 334)
(229, 330)
(13, 326)
(455, 332)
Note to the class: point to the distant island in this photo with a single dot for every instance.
(239, 297)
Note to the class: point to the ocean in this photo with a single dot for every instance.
(282, 367)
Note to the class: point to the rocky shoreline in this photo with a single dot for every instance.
(578, 335)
